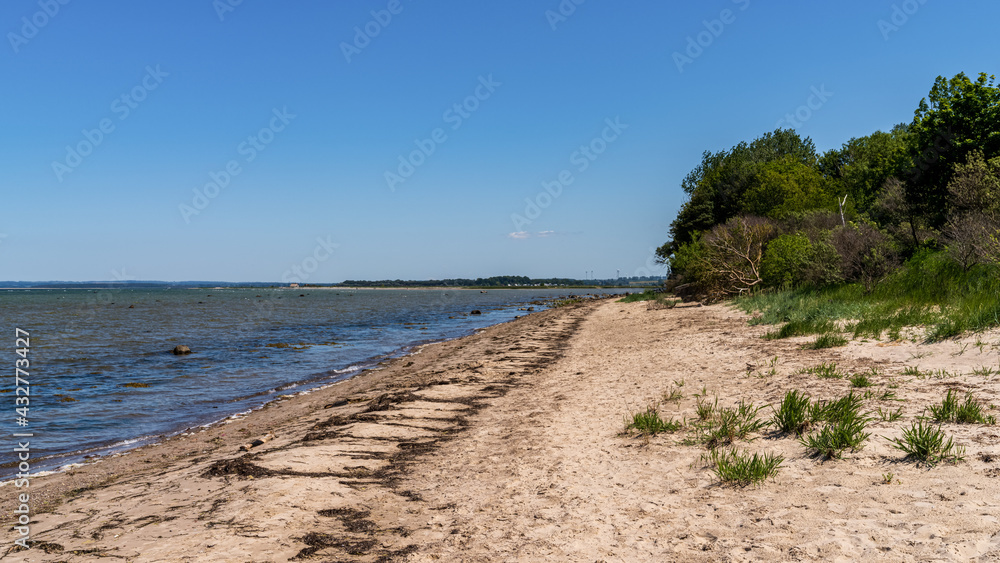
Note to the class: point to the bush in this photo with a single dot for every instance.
(866, 254)
(786, 260)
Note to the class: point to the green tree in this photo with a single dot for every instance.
(783, 187)
(716, 188)
(860, 168)
(959, 115)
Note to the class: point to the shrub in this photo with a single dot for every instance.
(786, 260)
(734, 252)
(866, 254)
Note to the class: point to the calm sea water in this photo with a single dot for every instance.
(103, 378)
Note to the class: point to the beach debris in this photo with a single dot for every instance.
(181, 350)
(336, 404)
(259, 441)
(476, 312)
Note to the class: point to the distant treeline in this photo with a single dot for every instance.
(774, 213)
(497, 281)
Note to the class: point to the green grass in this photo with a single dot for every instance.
(648, 422)
(844, 429)
(825, 371)
(802, 327)
(741, 468)
(705, 409)
(930, 290)
(889, 415)
(928, 444)
(647, 295)
(862, 380)
(826, 341)
(793, 416)
(953, 410)
(731, 424)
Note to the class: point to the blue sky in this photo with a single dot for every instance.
(329, 97)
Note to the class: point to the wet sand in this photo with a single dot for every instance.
(508, 445)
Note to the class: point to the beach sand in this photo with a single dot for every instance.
(508, 446)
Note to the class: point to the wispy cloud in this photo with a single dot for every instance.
(519, 235)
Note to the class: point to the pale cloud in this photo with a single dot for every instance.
(521, 235)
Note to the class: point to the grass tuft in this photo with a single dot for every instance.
(844, 429)
(967, 412)
(648, 422)
(729, 425)
(889, 415)
(793, 416)
(741, 468)
(928, 444)
(826, 341)
(862, 380)
(825, 371)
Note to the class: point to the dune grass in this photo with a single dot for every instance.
(928, 444)
(961, 412)
(649, 422)
(930, 290)
(844, 429)
(647, 295)
(734, 467)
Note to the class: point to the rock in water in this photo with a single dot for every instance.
(181, 350)
(476, 312)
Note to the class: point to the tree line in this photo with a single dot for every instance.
(774, 212)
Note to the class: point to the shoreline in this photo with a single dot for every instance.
(189, 456)
(97, 454)
(508, 445)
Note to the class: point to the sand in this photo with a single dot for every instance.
(509, 446)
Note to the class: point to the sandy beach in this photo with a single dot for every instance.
(508, 445)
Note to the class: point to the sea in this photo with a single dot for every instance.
(102, 378)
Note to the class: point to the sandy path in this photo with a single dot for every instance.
(544, 474)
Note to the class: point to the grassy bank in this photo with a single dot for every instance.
(929, 291)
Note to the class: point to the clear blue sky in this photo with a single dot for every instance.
(181, 90)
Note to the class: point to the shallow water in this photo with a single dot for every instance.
(102, 376)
